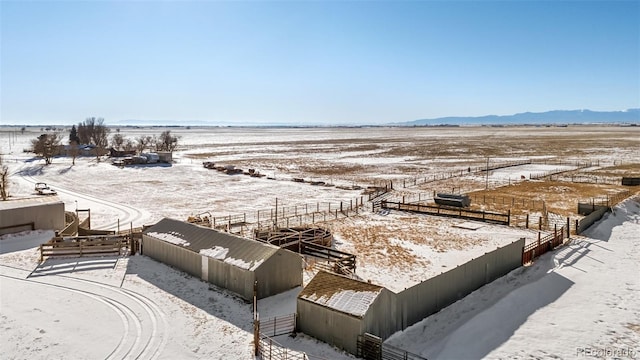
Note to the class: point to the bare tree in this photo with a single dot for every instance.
(143, 142)
(84, 131)
(167, 142)
(100, 138)
(4, 180)
(73, 151)
(117, 141)
(129, 145)
(93, 131)
(46, 145)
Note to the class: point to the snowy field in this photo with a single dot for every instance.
(139, 300)
(585, 297)
(581, 299)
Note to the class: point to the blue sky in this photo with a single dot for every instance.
(356, 62)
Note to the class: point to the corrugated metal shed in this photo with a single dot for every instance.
(241, 252)
(231, 262)
(340, 293)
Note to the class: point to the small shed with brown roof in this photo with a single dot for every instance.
(228, 261)
(337, 309)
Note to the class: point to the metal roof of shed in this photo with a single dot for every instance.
(244, 253)
(340, 293)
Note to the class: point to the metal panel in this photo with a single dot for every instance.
(200, 238)
(204, 261)
(430, 296)
(387, 325)
(173, 255)
(333, 327)
(281, 272)
(232, 278)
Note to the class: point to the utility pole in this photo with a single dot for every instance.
(486, 182)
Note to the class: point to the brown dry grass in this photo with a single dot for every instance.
(380, 241)
(423, 152)
(471, 146)
(560, 197)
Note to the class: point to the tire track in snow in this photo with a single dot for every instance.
(128, 214)
(134, 310)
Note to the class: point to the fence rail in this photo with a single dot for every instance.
(84, 246)
(543, 245)
(269, 349)
(484, 216)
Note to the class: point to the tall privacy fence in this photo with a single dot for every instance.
(595, 209)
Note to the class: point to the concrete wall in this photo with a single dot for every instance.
(333, 327)
(44, 215)
(430, 296)
(280, 272)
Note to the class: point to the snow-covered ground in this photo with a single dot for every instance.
(123, 307)
(143, 306)
(582, 300)
(584, 297)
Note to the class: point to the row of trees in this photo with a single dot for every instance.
(93, 132)
(165, 142)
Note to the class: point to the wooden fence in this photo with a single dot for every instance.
(543, 245)
(84, 246)
(282, 216)
(484, 216)
(342, 262)
(550, 174)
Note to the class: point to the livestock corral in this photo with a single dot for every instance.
(380, 216)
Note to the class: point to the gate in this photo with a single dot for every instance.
(369, 347)
(278, 325)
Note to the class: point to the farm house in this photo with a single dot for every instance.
(336, 309)
(223, 259)
(45, 213)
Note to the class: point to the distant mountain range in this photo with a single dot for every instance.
(555, 117)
